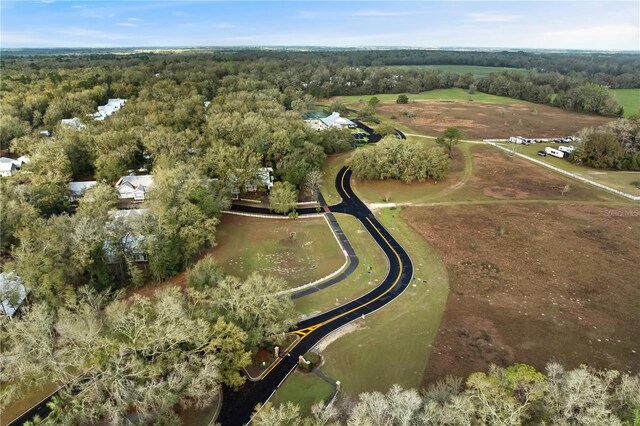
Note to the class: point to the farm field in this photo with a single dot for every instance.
(453, 94)
(247, 245)
(392, 345)
(629, 99)
(628, 182)
(356, 284)
(533, 283)
(484, 121)
(477, 71)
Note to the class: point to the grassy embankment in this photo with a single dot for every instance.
(393, 344)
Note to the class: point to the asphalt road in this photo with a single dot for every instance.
(238, 406)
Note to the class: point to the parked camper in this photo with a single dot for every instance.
(554, 152)
(568, 149)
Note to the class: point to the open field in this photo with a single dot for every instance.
(392, 345)
(533, 283)
(485, 121)
(454, 94)
(303, 389)
(498, 176)
(356, 284)
(247, 245)
(477, 71)
(629, 99)
(628, 182)
(328, 187)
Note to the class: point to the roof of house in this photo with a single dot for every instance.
(12, 293)
(78, 188)
(112, 106)
(72, 122)
(16, 162)
(335, 120)
(7, 167)
(135, 182)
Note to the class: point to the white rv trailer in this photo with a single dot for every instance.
(554, 152)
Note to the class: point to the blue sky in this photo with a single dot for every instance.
(511, 24)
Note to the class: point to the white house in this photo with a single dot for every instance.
(74, 123)
(555, 152)
(134, 187)
(77, 189)
(112, 106)
(12, 293)
(7, 169)
(334, 120)
(263, 178)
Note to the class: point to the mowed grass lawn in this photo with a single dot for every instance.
(629, 99)
(623, 181)
(453, 94)
(356, 284)
(477, 71)
(247, 244)
(303, 389)
(392, 345)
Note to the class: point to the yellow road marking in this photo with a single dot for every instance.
(342, 183)
(304, 332)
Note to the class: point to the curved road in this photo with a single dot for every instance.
(238, 406)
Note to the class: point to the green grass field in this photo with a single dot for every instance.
(356, 284)
(392, 345)
(247, 244)
(303, 389)
(454, 94)
(629, 99)
(622, 181)
(477, 71)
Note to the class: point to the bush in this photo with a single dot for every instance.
(402, 99)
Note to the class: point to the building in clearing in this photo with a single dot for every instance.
(12, 294)
(73, 123)
(77, 189)
(112, 106)
(334, 120)
(134, 187)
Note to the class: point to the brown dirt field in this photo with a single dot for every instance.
(533, 283)
(483, 121)
(498, 176)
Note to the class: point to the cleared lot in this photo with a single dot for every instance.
(532, 283)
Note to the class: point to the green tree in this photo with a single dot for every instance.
(373, 102)
(450, 138)
(205, 274)
(283, 197)
(402, 99)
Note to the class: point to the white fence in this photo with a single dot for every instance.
(564, 172)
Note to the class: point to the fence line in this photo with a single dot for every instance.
(273, 216)
(564, 172)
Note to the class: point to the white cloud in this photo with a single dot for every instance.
(126, 24)
(134, 19)
(625, 36)
(491, 17)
